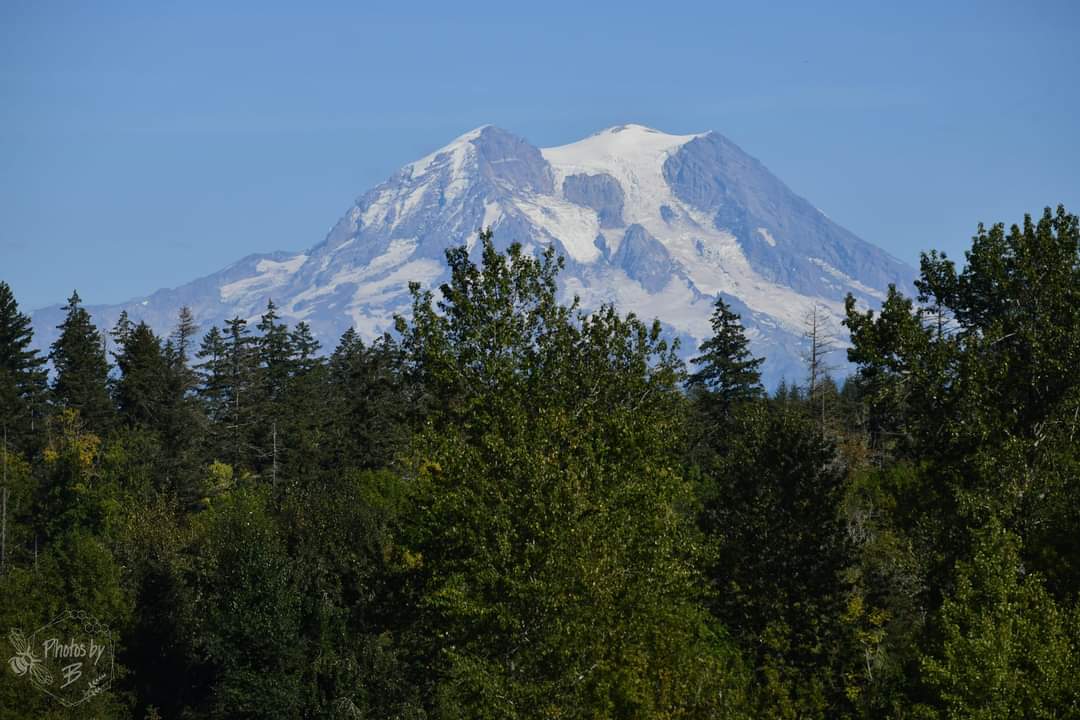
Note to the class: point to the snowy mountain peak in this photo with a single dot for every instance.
(455, 149)
(659, 224)
(627, 142)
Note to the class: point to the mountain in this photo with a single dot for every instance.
(658, 224)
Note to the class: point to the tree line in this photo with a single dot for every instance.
(511, 508)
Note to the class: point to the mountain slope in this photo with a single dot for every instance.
(659, 224)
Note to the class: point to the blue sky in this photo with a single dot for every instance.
(146, 144)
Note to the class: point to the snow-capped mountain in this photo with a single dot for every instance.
(658, 224)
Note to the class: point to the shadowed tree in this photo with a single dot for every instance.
(23, 380)
(82, 371)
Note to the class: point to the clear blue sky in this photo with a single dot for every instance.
(146, 144)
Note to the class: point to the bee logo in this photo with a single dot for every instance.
(25, 661)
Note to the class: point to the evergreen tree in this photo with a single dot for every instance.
(82, 371)
(239, 394)
(213, 374)
(183, 336)
(184, 423)
(121, 332)
(728, 373)
(777, 546)
(22, 375)
(275, 355)
(142, 388)
(305, 348)
(372, 406)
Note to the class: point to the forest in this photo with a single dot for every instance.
(510, 508)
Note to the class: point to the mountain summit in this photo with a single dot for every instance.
(659, 224)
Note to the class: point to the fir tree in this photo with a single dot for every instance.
(727, 372)
(213, 374)
(184, 335)
(183, 422)
(372, 408)
(142, 388)
(241, 363)
(22, 375)
(275, 359)
(304, 346)
(82, 371)
(121, 332)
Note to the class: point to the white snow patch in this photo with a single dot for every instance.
(397, 252)
(492, 214)
(847, 279)
(287, 267)
(676, 305)
(766, 236)
(574, 226)
(376, 211)
(271, 274)
(396, 282)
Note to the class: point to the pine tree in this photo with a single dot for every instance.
(183, 336)
(372, 407)
(213, 374)
(275, 360)
(728, 372)
(184, 422)
(241, 363)
(305, 348)
(23, 380)
(142, 388)
(121, 332)
(82, 371)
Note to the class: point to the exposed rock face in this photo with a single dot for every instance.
(644, 258)
(601, 192)
(783, 236)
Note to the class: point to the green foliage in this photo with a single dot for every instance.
(373, 405)
(353, 601)
(771, 511)
(548, 549)
(510, 508)
(972, 417)
(728, 372)
(142, 390)
(245, 609)
(1007, 649)
(22, 375)
(82, 372)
